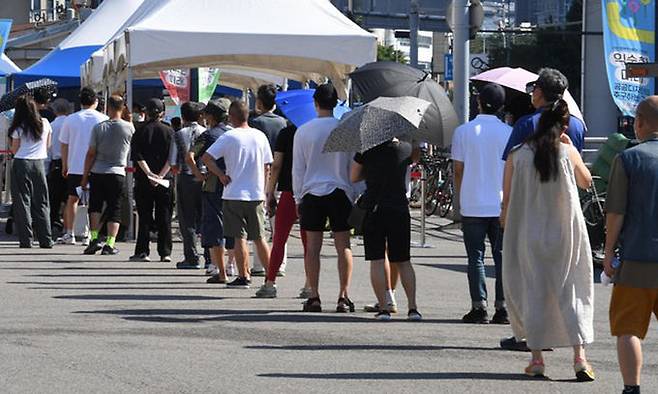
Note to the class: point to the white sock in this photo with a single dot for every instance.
(390, 297)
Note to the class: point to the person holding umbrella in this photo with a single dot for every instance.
(30, 138)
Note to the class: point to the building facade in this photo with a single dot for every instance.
(542, 12)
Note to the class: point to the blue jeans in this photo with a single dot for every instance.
(476, 230)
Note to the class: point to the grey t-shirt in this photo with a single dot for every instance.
(270, 124)
(111, 139)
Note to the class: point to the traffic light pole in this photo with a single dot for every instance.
(413, 33)
(461, 54)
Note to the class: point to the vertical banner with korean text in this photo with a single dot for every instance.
(208, 80)
(177, 83)
(629, 36)
(5, 27)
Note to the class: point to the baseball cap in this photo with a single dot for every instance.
(218, 108)
(492, 96)
(154, 105)
(552, 83)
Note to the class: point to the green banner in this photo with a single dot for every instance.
(208, 80)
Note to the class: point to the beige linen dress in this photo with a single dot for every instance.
(547, 260)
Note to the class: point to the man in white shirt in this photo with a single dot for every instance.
(477, 147)
(74, 137)
(248, 156)
(323, 191)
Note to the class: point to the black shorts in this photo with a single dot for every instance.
(388, 230)
(315, 211)
(72, 182)
(106, 189)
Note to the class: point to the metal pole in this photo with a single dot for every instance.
(130, 233)
(583, 56)
(461, 59)
(423, 192)
(413, 33)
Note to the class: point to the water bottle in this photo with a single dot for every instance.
(605, 279)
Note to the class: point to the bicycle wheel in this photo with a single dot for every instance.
(445, 199)
(431, 202)
(595, 223)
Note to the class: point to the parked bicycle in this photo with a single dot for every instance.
(439, 185)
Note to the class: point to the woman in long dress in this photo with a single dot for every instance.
(547, 263)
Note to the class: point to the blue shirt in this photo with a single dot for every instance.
(526, 126)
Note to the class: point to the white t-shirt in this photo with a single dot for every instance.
(245, 152)
(30, 148)
(315, 172)
(76, 132)
(56, 147)
(480, 144)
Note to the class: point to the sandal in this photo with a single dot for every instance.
(535, 369)
(313, 304)
(344, 305)
(584, 371)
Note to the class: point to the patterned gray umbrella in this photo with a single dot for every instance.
(8, 101)
(376, 122)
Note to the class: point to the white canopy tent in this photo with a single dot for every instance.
(296, 39)
(7, 66)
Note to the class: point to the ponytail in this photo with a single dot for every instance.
(546, 139)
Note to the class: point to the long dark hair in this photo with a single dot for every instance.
(27, 118)
(546, 139)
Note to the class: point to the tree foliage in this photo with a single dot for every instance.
(388, 52)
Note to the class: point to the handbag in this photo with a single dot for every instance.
(357, 217)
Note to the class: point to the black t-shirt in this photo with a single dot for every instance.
(385, 170)
(48, 114)
(284, 145)
(151, 143)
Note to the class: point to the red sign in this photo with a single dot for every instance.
(177, 83)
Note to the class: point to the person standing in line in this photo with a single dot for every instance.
(631, 223)
(546, 90)
(150, 151)
(74, 137)
(212, 215)
(547, 259)
(247, 156)
(56, 183)
(30, 136)
(387, 225)
(104, 175)
(42, 97)
(188, 187)
(271, 124)
(476, 150)
(286, 212)
(322, 190)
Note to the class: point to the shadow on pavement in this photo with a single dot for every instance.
(119, 288)
(370, 347)
(175, 274)
(24, 268)
(137, 297)
(100, 283)
(490, 270)
(402, 376)
(261, 316)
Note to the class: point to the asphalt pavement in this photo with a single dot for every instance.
(71, 323)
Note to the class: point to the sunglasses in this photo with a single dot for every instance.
(530, 87)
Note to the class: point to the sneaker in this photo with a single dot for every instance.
(512, 344)
(143, 257)
(165, 259)
(383, 316)
(392, 308)
(266, 291)
(500, 317)
(212, 270)
(184, 265)
(109, 251)
(281, 274)
(66, 239)
(476, 316)
(85, 241)
(238, 283)
(260, 272)
(93, 247)
(231, 269)
(414, 315)
(583, 371)
(216, 279)
(304, 293)
(344, 305)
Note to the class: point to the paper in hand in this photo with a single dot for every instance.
(162, 182)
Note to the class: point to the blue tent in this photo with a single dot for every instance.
(60, 65)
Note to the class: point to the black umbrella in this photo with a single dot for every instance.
(390, 79)
(8, 101)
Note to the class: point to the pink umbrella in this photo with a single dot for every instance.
(517, 78)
